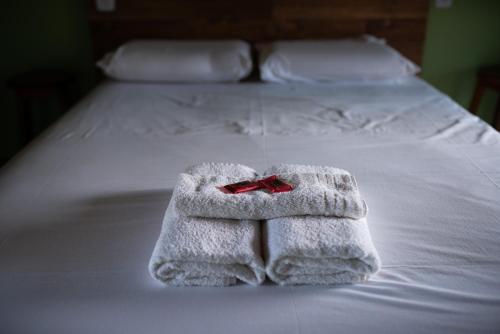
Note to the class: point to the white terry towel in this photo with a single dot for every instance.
(315, 193)
(208, 252)
(318, 249)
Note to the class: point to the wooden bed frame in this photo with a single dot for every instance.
(401, 22)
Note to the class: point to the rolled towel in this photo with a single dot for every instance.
(318, 249)
(314, 193)
(208, 252)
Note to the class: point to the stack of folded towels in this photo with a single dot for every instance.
(315, 234)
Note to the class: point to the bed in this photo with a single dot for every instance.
(81, 208)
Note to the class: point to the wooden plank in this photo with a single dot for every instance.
(159, 10)
(280, 9)
(350, 9)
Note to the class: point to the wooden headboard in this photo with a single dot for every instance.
(401, 22)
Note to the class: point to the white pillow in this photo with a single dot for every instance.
(179, 61)
(344, 60)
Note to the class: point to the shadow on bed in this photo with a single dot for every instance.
(113, 232)
(126, 207)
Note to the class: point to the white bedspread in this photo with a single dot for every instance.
(81, 208)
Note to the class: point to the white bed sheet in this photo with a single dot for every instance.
(81, 209)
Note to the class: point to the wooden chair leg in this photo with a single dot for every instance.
(476, 99)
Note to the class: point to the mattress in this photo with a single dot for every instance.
(81, 208)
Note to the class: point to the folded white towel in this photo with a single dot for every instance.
(314, 193)
(318, 249)
(208, 252)
(220, 168)
(304, 169)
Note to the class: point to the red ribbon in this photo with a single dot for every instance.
(272, 184)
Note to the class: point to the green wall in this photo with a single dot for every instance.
(54, 33)
(35, 33)
(459, 40)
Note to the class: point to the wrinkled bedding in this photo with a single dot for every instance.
(415, 109)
